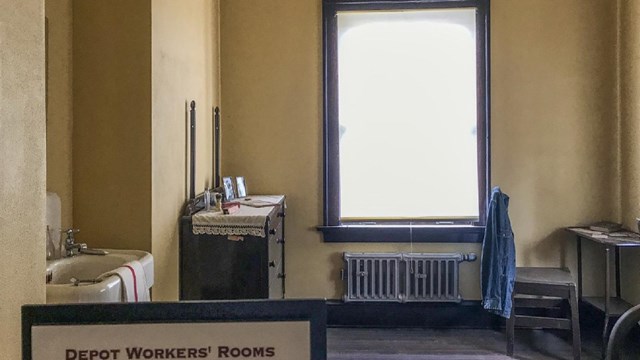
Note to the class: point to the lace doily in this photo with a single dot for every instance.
(247, 221)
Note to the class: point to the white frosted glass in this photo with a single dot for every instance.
(408, 114)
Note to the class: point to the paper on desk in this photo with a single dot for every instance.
(624, 234)
(587, 231)
(261, 200)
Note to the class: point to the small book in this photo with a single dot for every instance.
(229, 204)
(606, 226)
(230, 207)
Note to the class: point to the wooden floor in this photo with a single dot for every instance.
(419, 344)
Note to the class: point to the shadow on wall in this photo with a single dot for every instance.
(551, 250)
(337, 263)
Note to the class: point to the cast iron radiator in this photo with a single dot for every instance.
(402, 277)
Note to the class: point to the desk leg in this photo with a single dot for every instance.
(579, 248)
(617, 265)
(607, 286)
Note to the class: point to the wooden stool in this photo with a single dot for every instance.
(548, 282)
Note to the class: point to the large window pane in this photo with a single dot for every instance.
(408, 114)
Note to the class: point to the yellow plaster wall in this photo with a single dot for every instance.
(112, 123)
(630, 137)
(184, 68)
(554, 124)
(554, 134)
(22, 166)
(60, 104)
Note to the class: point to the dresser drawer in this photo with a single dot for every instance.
(276, 282)
(276, 217)
(276, 262)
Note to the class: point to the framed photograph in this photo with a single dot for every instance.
(241, 186)
(227, 183)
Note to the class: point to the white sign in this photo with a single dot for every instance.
(281, 340)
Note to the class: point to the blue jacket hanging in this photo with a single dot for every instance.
(498, 265)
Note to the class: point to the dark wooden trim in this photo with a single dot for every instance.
(468, 314)
(348, 5)
(331, 127)
(396, 234)
(401, 2)
(331, 155)
(314, 311)
(464, 315)
(484, 108)
(401, 5)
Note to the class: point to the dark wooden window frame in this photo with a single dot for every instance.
(415, 231)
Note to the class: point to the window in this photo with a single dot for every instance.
(406, 120)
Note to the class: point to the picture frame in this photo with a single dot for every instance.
(227, 183)
(241, 187)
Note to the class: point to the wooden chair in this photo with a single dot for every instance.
(551, 286)
(620, 343)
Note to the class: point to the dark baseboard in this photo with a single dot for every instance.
(464, 315)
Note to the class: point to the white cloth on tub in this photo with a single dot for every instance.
(133, 283)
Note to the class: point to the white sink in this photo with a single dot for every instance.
(83, 267)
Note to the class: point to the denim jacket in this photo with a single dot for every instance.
(498, 265)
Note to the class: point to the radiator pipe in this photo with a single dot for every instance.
(192, 117)
(469, 257)
(216, 164)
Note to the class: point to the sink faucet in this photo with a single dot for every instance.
(70, 246)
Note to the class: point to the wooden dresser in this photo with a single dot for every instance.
(215, 266)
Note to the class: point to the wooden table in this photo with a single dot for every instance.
(611, 306)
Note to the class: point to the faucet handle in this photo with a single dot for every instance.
(70, 239)
(69, 242)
